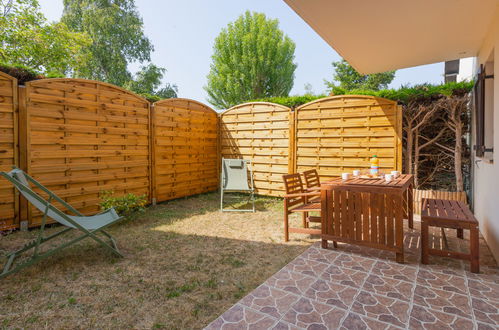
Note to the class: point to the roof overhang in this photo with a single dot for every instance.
(381, 35)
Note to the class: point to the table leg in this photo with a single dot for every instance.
(399, 228)
(474, 250)
(424, 241)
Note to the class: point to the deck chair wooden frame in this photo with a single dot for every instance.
(297, 200)
(88, 225)
(312, 182)
(238, 181)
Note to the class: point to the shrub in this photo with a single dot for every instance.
(291, 101)
(125, 205)
(402, 95)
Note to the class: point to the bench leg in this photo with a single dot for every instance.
(460, 233)
(324, 244)
(474, 250)
(424, 242)
(304, 219)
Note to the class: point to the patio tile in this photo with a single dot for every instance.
(289, 281)
(344, 276)
(382, 308)
(484, 290)
(281, 325)
(307, 313)
(332, 293)
(322, 255)
(487, 274)
(394, 270)
(354, 262)
(356, 322)
(484, 326)
(426, 318)
(443, 301)
(441, 281)
(306, 266)
(485, 311)
(389, 287)
(269, 300)
(241, 317)
(444, 265)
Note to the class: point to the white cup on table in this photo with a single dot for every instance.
(356, 173)
(388, 177)
(345, 176)
(395, 174)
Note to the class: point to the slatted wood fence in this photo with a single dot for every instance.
(81, 137)
(8, 150)
(341, 133)
(84, 137)
(185, 148)
(259, 132)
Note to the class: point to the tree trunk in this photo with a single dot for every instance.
(409, 149)
(415, 163)
(458, 166)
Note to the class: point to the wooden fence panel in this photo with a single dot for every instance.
(85, 137)
(8, 150)
(259, 132)
(185, 149)
(340, 133)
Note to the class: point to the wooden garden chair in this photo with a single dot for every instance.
(89, 226)
(237, 176)
(296, 200)
(312, 182)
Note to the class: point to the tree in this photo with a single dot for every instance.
(349, 79)
(28, 39)
(148, 80)
(252, 59)
(116, 29)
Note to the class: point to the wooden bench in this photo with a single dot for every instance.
(449, 214)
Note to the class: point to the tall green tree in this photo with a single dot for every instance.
(27, 39)
(147, 82)
(252, 59)
(347, 78)
(117, 34)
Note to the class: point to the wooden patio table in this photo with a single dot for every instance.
(369, 212)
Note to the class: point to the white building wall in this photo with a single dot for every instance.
(486, 170)
(466, 69)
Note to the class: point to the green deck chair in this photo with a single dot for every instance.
(235, 179)
(88, 225)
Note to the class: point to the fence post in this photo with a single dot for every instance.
(292, 142)
(24, 212)
(399, 137)
(152, 154)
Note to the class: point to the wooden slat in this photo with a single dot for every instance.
(185, 148)
(84, 137)
(260, 132)
(345, 117)
(9, 201)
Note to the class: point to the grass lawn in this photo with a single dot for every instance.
(185, 263)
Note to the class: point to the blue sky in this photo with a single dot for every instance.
(183, 32)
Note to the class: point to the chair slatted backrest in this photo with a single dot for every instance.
(362, 214)
(293, 185)
(235, 175)
(311, 178)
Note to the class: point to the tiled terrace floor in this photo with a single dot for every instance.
(358, 288)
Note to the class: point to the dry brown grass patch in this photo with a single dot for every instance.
(185, 263)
